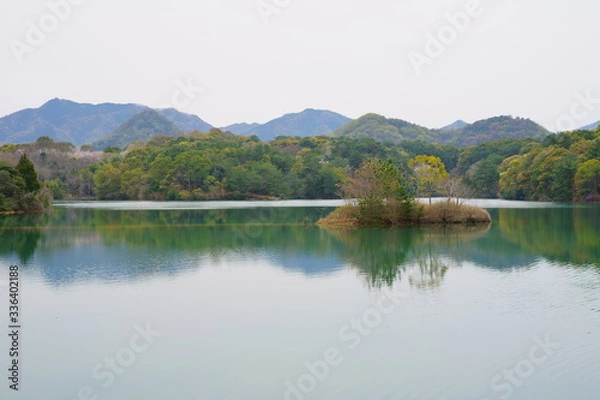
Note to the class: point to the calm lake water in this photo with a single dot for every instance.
(250, 300)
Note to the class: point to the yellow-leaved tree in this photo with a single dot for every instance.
(429, 171)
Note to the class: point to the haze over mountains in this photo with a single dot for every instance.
(591, 127)
(110, 124)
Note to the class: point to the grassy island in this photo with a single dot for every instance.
(381, 197)
(444, 212)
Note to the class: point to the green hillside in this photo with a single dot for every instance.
(141, 126)
(392, 130)
(496, 128)
(384, 129)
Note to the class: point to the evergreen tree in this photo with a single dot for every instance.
(27, 172)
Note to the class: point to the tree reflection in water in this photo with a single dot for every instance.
(384, 255)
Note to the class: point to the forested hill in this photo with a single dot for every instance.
(392, 130)
(384, 129)
(496, 128)
(140, 127)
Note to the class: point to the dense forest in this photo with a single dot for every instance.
(564, 167)
(220, 165)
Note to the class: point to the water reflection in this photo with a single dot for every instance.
(383, 255)
(564, 235)
(71, 245)
(22, 240)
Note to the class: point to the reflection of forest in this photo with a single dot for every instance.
(567, 235)
(98, 241)
(22, 240)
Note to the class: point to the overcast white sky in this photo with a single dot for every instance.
(520, 57)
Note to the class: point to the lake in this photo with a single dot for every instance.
(251, 300)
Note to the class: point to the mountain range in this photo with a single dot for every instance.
(111, 124)
(591, 127)
(80, 123)
(309, 122)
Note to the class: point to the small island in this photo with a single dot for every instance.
(379, 195)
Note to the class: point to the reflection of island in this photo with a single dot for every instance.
(72, 245)
(383, 255)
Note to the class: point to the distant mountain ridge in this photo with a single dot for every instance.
(107, 123)
(143, 126)
(454, 126)
(393, 130)
(310, 122)
(81, 123)
(185, 122)
(590, 127)
(241, 128)
(65, 121)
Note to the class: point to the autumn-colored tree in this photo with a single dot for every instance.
(429, 172)
(587, 179)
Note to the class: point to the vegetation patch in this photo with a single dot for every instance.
(444, 212)
(20, 190)
(383, 197)
(451, 212)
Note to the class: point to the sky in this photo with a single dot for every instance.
(429, 62)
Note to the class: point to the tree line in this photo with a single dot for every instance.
(219, 165)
